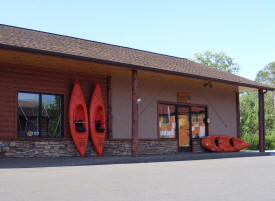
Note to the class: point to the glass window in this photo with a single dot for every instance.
(28, 114)
(198, 122)
(39, 115)
(167, 121)
(190, 122)
(51, 116)
(195, 117)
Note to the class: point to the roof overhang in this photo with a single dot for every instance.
(242, 86)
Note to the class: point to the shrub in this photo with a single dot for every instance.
(270, 142)
(253, 140)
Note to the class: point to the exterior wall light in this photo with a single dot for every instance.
(208, 84)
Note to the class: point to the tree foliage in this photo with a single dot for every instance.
(267, 75)
(219, 61)
(249, 113)
(249, 110)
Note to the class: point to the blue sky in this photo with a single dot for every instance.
(244, 30)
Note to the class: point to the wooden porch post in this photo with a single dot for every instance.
(134, 113)
(109, 108)
(261, 121)
(238, 115)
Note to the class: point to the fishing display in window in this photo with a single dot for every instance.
(167, 121)
(39, 115)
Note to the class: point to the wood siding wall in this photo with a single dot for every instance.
(14, 78)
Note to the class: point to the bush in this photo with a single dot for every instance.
(270, 142)
(253, 140)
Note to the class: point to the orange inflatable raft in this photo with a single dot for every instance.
(97, 121)
(224, 143)
(78, 119)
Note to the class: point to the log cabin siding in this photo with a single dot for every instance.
(14, 78)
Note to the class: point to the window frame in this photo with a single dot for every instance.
(40, 115)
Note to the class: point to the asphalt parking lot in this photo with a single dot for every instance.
(237, 179)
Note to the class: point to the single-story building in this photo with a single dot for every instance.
(155, 104)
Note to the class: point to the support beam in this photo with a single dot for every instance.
(134, 113)
(261, 121)
(109, 108)
(238, 119)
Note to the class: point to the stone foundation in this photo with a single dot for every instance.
(196, 146)
(41, 149)
(117, 148)
(49, 148)
(150, 147)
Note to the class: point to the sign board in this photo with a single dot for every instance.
(183, 97)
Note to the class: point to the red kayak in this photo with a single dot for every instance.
(78, 118)
(223, 143)
(97, 121)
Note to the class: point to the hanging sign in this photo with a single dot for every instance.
(183, 97)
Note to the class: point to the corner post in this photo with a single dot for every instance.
(134, 113)
(238, 115)
(261, 121)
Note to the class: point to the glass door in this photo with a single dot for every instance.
(184, 130)
(184, 122)
(191, 123)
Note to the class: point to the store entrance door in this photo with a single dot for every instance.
(191, 123)
(184, 139)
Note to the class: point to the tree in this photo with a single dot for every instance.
(249, 110)
(267, 75)
(219, 61)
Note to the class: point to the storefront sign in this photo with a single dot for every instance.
(183, 97)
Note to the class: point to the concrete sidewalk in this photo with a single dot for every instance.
(78, 161)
